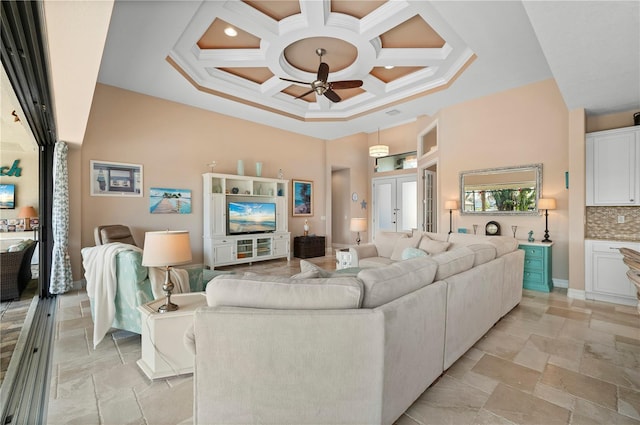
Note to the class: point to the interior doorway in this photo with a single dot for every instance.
(395, 204)
(429, 198)
(340, 207)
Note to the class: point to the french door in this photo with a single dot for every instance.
(395, 204)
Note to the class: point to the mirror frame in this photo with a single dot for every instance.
(533, 167)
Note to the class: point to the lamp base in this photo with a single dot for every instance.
(169, 306)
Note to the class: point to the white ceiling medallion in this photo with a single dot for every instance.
(209, 69)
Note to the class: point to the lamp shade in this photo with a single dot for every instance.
(166, 248)
(358, 224)
(377, 151)
(546, 204)
(451, 205)
(27, 212)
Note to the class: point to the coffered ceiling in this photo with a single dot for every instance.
(443, 53)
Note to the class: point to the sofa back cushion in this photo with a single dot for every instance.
(402, 244)
(433, 246)
(483, 253)
(453, 262)
(386, 241)
(385, 284)
(503, 244)
(279, 292)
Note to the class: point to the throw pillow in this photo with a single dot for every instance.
(306, 266)
(385, 242)
(413, 253)
(432, 246)
(309, 274)
(403, 243)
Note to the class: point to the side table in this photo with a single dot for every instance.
(343, 259)
(308, 246)
(537, 266)
(163, 353)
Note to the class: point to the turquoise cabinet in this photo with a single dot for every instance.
(537, 266)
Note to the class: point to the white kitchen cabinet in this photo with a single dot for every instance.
(606, 274)
(613, 167)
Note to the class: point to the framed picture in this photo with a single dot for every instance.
(115, 179)
(169, 201)
(7, 196)
(302, 198)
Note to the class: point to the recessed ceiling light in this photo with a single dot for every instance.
(389, 67)
(230, 31)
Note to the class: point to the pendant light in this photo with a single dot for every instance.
(377, 151)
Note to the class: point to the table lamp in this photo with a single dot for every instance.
(166, 249)
(358, 225)
(27, 213)
(451, 205)
(546, 204)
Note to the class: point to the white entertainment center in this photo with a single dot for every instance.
(235, 241)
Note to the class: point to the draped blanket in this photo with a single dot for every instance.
(99, 263)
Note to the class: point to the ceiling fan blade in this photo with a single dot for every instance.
(323, 72)
(295, 81)
(304, 94)
(347, 84)
(332, 96)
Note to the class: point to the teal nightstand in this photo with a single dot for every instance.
(537, 266)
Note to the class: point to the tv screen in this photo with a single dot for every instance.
(251, 217)
(7, 196)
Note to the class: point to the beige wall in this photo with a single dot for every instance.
(610, 121)
(577, 201)
(526, 125)
(174, 143)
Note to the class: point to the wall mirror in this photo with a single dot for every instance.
(501, 191)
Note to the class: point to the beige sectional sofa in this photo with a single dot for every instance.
(346, 349)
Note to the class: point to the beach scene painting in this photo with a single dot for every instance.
(169, 201)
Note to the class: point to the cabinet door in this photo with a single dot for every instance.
(281, 245)
(223, 253)
(607, 274)
(612, 169)
(217, 218)
(282, 215)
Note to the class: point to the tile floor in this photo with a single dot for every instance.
(12, 316)
(552, 360)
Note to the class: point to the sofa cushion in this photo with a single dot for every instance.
(309, 274)
(402, 244)
(307, 266)
(503, 244)
(280, 292)
(384, 284)
(453, 262)
(386, 241)
(370, 262)
(483, 253)
(433, 246)
(413, 253)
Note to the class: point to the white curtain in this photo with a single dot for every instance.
(61, 280)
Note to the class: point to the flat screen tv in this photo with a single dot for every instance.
(7, 196)
(251, 217)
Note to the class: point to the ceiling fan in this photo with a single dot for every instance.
(321, 86)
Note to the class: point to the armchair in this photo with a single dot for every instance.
(113, 233)
(15, 272)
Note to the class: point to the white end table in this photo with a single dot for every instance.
(163, 350)
(343, 259)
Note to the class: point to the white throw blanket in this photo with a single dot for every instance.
(99, 263)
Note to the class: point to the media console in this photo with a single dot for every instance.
(221, 247)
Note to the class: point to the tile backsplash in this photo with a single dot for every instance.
(602, 223)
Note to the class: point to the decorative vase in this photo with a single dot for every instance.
(258, 169)
(240, 167)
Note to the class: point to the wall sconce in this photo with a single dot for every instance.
(451, 205)
(546, 204)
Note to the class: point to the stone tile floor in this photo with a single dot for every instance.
(552, 360)
(12, 316)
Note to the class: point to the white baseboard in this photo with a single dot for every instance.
(560, 283)
(578, 294)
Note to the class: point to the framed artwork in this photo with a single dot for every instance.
(7, 196)
(115, 179)
(302, 198)
(169, 201)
